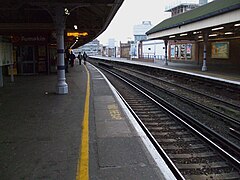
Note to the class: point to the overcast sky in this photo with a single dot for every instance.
(133, 12)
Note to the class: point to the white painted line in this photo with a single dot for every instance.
(169, 69)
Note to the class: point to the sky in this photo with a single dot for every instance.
(133, 12)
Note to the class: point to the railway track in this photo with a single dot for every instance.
(187, 89)
(196, 99)
(189, 153)
(219, 121)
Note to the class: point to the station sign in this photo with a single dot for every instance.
(29, 39)
(77, 34)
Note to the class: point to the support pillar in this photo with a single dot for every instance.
(166, 44)
(11, 70)
(205, 39)
(61, 87)
(1, 77)
(140, 53)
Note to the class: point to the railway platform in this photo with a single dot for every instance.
(49, 136)
(229, 74)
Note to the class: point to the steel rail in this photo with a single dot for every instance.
(177, 113)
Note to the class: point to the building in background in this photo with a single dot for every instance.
(183, 50)
(111, 48)
(153, 49)
(125, 49)
(141, 48)
(140, 30)
(92, 48)
(181, 6)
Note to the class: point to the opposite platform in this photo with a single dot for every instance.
(228, 74)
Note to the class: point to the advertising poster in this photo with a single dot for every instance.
(172, 51)
(183, 51)
(6, 53)
(220, 50)
(189, 51)
(177, 51)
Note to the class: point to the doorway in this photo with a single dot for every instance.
(26, 60)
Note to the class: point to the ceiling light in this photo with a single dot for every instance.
(196, 32)
(200, 37)
(227, 33)
(212, 35)
(218, 28)
(172, 36)
(75, 26)
(237, 25)
(183, 34)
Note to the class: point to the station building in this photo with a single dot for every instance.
(91, 48)
(208, 34)
(34, 35)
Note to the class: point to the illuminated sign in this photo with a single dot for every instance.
(77, 34)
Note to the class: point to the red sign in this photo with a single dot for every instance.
(29, 39)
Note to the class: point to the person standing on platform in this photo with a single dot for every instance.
(80, 58)
(67, 56)
(84, 57)
(72, 57)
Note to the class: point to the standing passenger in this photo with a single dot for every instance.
(84, 57)
(72, 57)
(67, 56)
(80, 58)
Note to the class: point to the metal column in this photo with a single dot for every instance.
(166, 61)
(62, 87)
(205, 39)
(1, 77)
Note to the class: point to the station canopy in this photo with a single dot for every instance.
(84, 19)
(219, 19)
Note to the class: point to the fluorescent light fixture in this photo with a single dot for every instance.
(172, 36)
(227, 33)
(218, 28)
(196, 32)
(212, 35)
(199, 37)
(75, 27)
(237, 25)
(185, 34)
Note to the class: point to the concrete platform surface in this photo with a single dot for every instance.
(40, 132)
(226, 73)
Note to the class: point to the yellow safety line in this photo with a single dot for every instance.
(82, 169)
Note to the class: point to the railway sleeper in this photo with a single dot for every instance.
(193, 155)
(232, 175)
(179, 133)
(173, 147)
